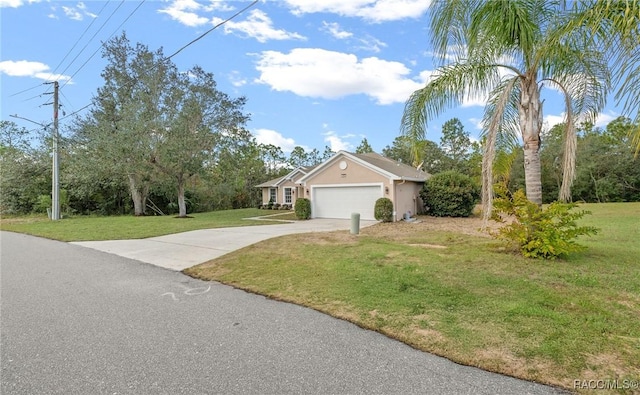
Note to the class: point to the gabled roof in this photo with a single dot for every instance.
(375, 162)
(288, 177)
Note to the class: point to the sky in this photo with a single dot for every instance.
(315, 73)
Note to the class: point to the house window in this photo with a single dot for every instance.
(287, 195)
(273, 195)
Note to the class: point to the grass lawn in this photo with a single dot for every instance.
(459, 296)
(84, 228)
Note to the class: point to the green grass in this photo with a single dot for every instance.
(85, 228)
(548, 321)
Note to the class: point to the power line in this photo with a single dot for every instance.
(169, 57)
(185, 46)
(80, 38)
(214, 28)
(91, 39)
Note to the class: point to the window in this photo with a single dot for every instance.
(273, 195)
(287, 195)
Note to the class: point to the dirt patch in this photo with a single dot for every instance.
(437, 246)
(469, 226)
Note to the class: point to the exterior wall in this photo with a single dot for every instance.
(281, 188)
(265, 195)
(295, 191)
(407, 198)
(353, 174)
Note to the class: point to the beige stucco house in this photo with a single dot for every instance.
(350, 183)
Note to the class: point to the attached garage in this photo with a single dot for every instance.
(340, 201)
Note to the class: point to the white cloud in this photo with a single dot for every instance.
(268, 136)
(72, 13)
(237, 79)
(16, 3)
(602, 120)
(315, 72)
(258, 25)
(334, 29)
(218, 5)
(477, 123)
(77, 13)
(371, 44)
(337, 143)
(183, 12)
(371, 10)
(24, 68)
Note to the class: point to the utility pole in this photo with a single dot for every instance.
(55, 181)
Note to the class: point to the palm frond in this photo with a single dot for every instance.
(500, 129)
(449, 22)
(449, 87)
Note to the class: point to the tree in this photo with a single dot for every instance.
(612, 27)
(151, 123)
(455, 144)
(364, 147)
(197, 115)
(327, 153)
(117, 135)
(298, 157)
(400, 150)
(507, 51)
(25, 172)
(274, 160)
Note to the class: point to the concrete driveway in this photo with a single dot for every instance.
(182, 250)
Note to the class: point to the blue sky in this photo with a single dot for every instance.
(315, 73)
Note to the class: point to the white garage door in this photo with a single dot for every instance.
(341, 202)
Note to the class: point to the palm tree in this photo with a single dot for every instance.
(508, 51)
(614, 28)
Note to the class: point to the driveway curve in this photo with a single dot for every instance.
(182, 250)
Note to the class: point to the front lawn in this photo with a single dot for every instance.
(89, 228)
(457, 295)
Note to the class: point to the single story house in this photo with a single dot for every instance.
(284, 190)
(350, 183)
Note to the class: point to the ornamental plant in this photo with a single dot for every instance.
(450, 194)
(546, 233)
(383, 210)
(303, 208)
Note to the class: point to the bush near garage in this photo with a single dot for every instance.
(303, 208)
(383, 210)
(450, 194)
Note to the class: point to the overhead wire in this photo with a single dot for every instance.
(80, 38)
(184, 46)
(98, 49)
(213, 28)
(70, 50)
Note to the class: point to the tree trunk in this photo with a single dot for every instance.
(533, 173)
(182, 206)
(138, 195)
(530, 111)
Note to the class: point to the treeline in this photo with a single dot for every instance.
(160, 141)
(606, 167)
(225, 181)
(607, 170)
(155, 141)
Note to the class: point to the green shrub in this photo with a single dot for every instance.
(303, 208)
(383, 210)
(546, 233)
(450, 194)
(43, 203)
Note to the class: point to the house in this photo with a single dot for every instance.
(350, 183)
(284, 190)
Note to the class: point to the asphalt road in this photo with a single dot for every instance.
(80, 321)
